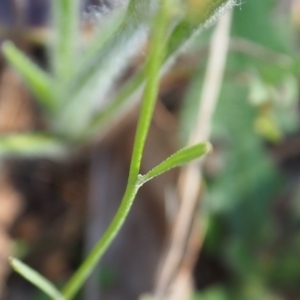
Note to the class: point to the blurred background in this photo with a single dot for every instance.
(248, 239)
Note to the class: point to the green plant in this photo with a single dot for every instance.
(248, 236)
(71, 120)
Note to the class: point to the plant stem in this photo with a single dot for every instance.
(183, 36)
(157, 51)
(90, 262)
(148, 102)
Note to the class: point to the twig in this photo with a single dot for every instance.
(190, 178)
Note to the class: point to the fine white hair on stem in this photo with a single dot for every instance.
(96, 13)
(198, 30)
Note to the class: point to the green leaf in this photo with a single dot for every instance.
(66, 19)
(183, 35)
(29, 145)
(125, 98)
(214, 293)
(36, 79)
(255, 23)
(186, 31)
(147, 297)
(35, 278)
(157, 50)
(104, 33)
(101, 71)
(179, 158)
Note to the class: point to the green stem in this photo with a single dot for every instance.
(183, 36)
(91, 261)
(149, 98)
(148, 102)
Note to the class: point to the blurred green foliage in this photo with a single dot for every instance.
(253, 206)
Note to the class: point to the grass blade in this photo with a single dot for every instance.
(29, 145)
(36, 279)
(36, 79)
(101, 71)
(179, 158)
(115, 54)
(108, 27)
(117, 105)
(66, 18)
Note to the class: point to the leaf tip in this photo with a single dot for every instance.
(6, 46)
(208, 148)
(11, 261)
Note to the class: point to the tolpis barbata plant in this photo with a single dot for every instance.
(77, 99)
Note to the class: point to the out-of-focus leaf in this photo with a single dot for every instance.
(184, 34)
(259, 93)
(36, 279)
(90, 87)
(66, 17)
(31, 145)
(253, 21)
(276, 104)
(108, 25)
(147, 297)
(215, 293)
(265, 126)
(36, 79)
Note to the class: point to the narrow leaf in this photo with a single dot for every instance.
(179, 158)
(35, 278)
(183, 35)
(118, 105)
(102, 69)
(108, 25)
(36, 79)
(29, 145)
(66, 17)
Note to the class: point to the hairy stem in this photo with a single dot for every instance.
(148, 102)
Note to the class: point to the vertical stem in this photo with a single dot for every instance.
(148, 102)
(80, 276)
(157, 52)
